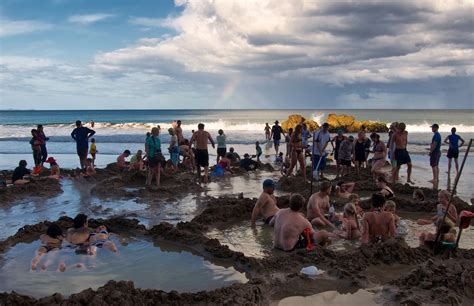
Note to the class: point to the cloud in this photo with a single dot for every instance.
(338, 43)
(89, 18)
(16, 27)
(280, 51)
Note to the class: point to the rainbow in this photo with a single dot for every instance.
(229, 88)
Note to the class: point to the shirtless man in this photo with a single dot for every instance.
(266, 204)
(179, 132)
(202, 155)
(377, 225)
(121, 164)
(318, 206)
(290, 225)
(400, 138)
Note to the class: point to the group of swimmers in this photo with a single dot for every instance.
(320, 220)
(79, 239)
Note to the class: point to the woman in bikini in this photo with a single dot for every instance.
(297, 152)
(380, 155)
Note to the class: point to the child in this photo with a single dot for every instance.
(101, 239)
(90, 170)
(136, 162)
(52, 240)
(55, 170)
(418, 195)
(354, 199)
(259, 150)
(446, 234)
(350, 227)
(279, 159)
(93, 151)
(401, 226)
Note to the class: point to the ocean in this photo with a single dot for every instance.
(117, 130)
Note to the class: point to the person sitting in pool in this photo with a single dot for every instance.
(20, 172)
(101, 239)
(290, 225)
(447, 234)
(55, 170)
(248, 164)
(418, 195)
(223, 165)
(136, 162)
(50, 241)
(377, 225)
(400, 225)
(121, 163)
(382, 183)
(344, 190)
(350, 229)
(354, 199)
(79, 234)
(235, 157)
(451, 217)
(318, 206)
(90, 169)
(266, 204)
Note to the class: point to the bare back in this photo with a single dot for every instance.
(288, 227)
(201, 137)
(377, 225)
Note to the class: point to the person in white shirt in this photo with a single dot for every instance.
(321, 139)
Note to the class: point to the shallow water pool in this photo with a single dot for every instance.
(162, 267)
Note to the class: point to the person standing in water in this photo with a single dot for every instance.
(435, 153)
(277, 131)
(202, 154)
(81, 135)
(400, 138)
(268, 134)
(221, 145)
(453, 151)
(42, 136)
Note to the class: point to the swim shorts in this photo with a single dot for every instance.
(434, 158)
(221, 152)
(202, 157)
(82, 151)
(453, 153)
(346, 163)
(302, 242)
(276, 142)
(269, 219)
(402, 156)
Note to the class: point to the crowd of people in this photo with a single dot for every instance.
(79, 239)
(317, 218)
(319, 224)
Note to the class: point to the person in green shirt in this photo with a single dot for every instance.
(154, 156)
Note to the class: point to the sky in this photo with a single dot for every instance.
(163, 54)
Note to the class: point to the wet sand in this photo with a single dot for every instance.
(212, 221)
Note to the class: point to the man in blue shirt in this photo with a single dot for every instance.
(435, 153)
(81, 135)
(453, 151)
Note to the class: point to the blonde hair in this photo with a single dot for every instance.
(391, 204)
(349, 209)
(353, 196)
(446, 194)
